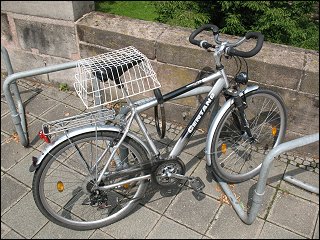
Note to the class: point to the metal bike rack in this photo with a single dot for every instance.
(18, 117)
(262, 181)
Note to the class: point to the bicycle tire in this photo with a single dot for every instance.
(233, 157)
(72, 207)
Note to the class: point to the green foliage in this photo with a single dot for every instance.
(144, 10)
(285, 22)
(182, 13)
(64, 87)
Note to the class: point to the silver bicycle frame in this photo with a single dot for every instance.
(213, 93)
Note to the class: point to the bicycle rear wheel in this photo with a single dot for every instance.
(63, 182)
(234, 157)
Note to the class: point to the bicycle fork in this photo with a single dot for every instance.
(241, 119)
(244, 124)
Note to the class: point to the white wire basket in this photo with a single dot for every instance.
(112, 76)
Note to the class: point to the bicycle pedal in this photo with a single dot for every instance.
(197, 184)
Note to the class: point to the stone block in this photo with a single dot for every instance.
(273, 74)
(54, 38)
(169, 229)
(227, 225)
(143, 219)
(272, 231)
(11, 192)
(19, 58)
(188, 210)
(311, 150)
(88, 50)
(116, 32)
(5, 28)
(310, 80)
(174, 47)
(294, 214)
(66, 10)
(302, 111)
(173, 77)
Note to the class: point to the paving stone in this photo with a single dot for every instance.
(54, 93)
(245, 192)
(191, 162)
(33, 130)
(4, 229)
(294, 213)
(276, 173)
(291, 158)
(136, 225)
(306, 163)
(305, 176)
(271, 231)
(11, 153)
(212, 188)
(316, 231)
(98, 234)
(4, 109)
(11, 192)
(75, 101)
(168, 229)
(30, 218)
(21, 170)
(8, 126)
(228, 225)
(28, 93)
(299, 160)
(51, 229)
(4, 137)
(193, 210)
(12, 235)
(197, 144)
(39, 105)
(60, 111)
(158, 198)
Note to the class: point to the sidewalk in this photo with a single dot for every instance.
(287, 211)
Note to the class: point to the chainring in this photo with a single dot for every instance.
(173, 166)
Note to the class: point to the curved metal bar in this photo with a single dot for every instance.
(19, 118)
(262, 181)
(301, 184)
(23, 130)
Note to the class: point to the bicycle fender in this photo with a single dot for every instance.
(37, 161)
(217, 119)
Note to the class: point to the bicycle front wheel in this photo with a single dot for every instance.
(62, 185)
(235, 158)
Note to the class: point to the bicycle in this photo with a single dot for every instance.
(98, 170)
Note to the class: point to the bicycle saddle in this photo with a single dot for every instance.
(115, 71)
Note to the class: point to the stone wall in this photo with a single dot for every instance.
(35, 41)
(42, 33)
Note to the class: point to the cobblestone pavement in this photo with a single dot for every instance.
(287, 211)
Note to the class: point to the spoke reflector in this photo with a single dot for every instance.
(223, 148)
(274, 131)
(60, 186)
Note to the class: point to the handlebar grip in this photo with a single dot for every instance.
(207, 27)
(234, 52)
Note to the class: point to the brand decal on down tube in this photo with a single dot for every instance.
(201, 113)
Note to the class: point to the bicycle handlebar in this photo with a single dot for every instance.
(231, 46)
(203, 44)
(234, 52)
